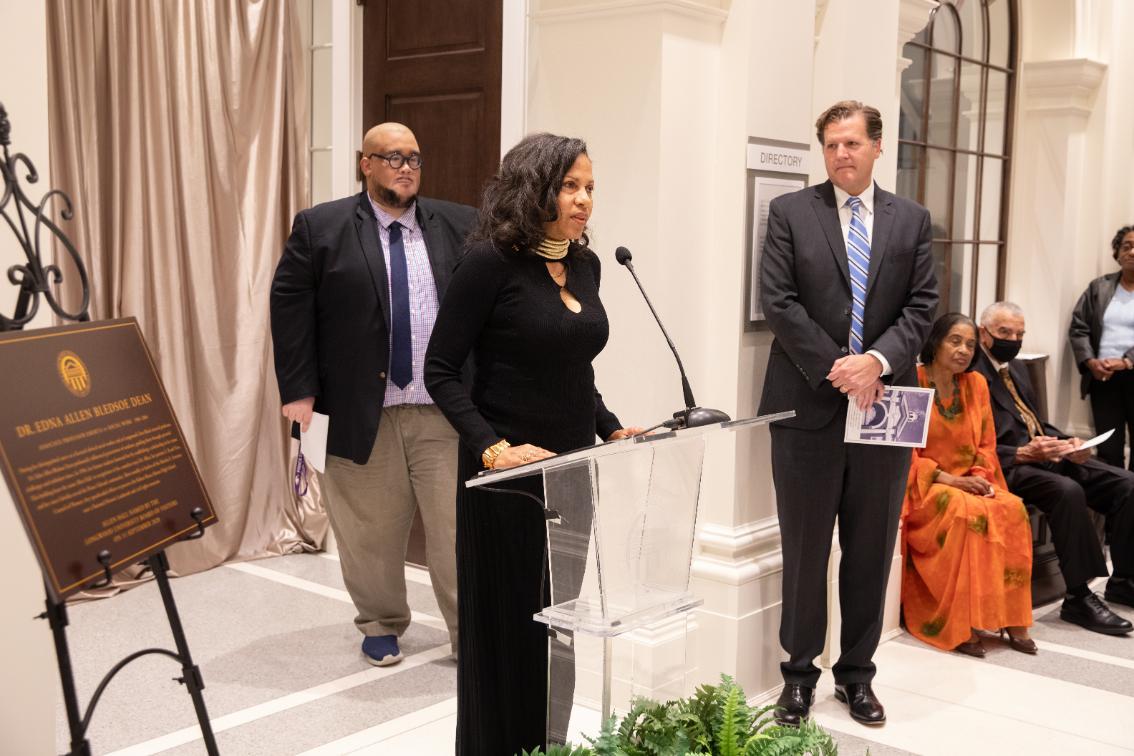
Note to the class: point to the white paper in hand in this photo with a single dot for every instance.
(314, 441)
(1096, 440)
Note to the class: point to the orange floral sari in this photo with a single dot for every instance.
(967, 559)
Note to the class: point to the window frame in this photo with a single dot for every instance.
(924, 47)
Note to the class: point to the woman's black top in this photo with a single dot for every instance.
(533, 381)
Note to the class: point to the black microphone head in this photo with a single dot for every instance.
(622, 255)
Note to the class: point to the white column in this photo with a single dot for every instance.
(27, 695)
(1052, 203)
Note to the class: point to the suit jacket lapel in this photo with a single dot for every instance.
(439, 262)
(823, 203)
(996, 385)
(366, 225)
(883, 222)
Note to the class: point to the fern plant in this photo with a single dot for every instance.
(715, 720)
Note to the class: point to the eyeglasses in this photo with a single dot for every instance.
(396, 159)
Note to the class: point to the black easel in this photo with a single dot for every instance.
(35, 281)
(56, 615)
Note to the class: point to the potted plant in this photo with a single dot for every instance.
(715, 720)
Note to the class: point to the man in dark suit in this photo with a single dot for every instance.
(353, 303)
(1045, 467)
(848, 289)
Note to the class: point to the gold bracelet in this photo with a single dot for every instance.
(488, 457)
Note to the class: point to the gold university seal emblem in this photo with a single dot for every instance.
(73, 373)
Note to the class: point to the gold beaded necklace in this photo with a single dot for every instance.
(553, 249)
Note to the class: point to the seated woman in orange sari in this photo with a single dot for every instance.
(967, 542)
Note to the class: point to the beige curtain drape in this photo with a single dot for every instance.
(179, 129)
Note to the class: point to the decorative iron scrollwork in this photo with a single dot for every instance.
(34, 278)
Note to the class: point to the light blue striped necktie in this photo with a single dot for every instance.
(858, 257)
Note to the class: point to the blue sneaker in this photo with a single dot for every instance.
(381, 650)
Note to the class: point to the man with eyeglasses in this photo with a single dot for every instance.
(353, 303)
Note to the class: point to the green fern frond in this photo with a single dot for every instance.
(728, 737)
(607, 742)
(809, 738)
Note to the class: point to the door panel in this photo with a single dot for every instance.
(434, 65)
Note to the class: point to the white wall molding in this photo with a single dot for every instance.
(913, 15)
(1065, 87)
(739, 541)
(664, 631)
(736, 573)
(735, 555)
(704, 10)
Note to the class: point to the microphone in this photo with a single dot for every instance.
(692, 416)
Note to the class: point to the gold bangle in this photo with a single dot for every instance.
(489, 455)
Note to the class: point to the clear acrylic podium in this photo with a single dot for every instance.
(620, 528)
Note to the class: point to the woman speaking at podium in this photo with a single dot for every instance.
(524, 302)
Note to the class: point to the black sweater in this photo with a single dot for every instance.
(533, 382)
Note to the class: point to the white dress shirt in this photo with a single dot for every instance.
(845, 215)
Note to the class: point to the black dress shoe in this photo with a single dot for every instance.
(1120, 591)
(1090, 612)
(794, 704)
(863, 704)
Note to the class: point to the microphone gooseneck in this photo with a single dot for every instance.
(692, 416)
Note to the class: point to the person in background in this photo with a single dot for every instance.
(352, 304)
(525, 301)
(967, 542)
(847, 286)
(1046, 468)
(1102, 340)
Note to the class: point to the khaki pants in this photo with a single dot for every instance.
(413, 466)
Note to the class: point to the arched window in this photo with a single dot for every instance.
(955, 142)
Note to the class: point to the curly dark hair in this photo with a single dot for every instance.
(524, 193)
(1116, 243)
(939, 331)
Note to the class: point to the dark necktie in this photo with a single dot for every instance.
(401, 353)
(858, 262)
(1030, 420)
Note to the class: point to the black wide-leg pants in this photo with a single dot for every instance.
(1112, 405)
(502, 660)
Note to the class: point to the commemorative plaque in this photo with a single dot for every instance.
(95, 459)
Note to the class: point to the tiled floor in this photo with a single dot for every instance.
(278, 654)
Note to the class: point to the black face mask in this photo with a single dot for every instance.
(1004, 350)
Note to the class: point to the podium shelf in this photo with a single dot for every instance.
(587, 615)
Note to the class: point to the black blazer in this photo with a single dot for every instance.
(806, 295)
(330, 310)
(1011, 432)
(1086, 325)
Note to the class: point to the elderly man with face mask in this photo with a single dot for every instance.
(1046, 468)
